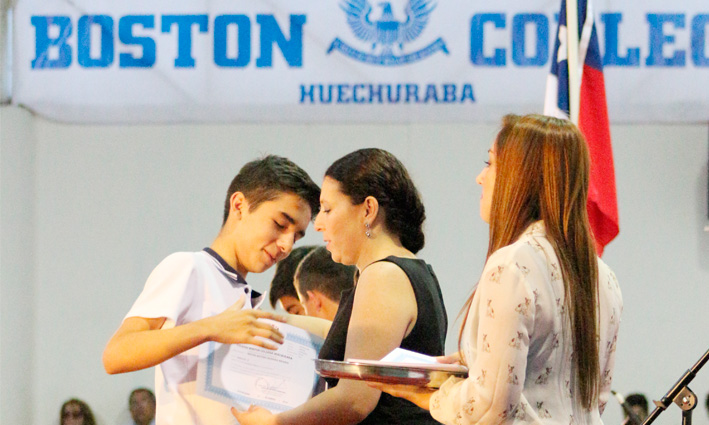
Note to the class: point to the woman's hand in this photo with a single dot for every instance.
(254, 415)
(449, 359)
(420, 396)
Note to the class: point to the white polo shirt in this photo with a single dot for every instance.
(185, 287)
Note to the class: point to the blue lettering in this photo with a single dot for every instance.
(390, 92)
(125, 34)
(375, 92)
(611, 22)
(342, 94)
(243, 25)
(658, 39)
(448, 93)
(271, 33)
(467, 93)
(699, 40)
(184, 35)
(83, 33)
(431, 93)
(44, 45)
(519, 36)
(367, 93)
(477, 39)
(355, 94)
(308, 93)
(329, 94)
(412, 91)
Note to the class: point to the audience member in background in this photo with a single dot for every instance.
(76, 412)
(638, 404)
(142, 406)
(320, 282)
(282, 290)
(706, 403)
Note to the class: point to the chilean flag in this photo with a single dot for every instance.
(592, 119)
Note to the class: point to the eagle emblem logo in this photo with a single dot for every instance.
(386, 36)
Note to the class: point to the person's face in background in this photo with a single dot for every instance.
(142, 407)
(486, 179)
(340, 223)
(292, 305)
(72, 415)
(639, 411)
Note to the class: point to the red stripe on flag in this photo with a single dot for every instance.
(593, 123)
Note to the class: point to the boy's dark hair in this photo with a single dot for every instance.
(282, 282)
(267, 178)
(319, 272)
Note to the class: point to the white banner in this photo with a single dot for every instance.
(344, 60)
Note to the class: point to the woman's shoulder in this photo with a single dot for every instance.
(383, 269)
(531, 258)
(528, 247)
(607, 278)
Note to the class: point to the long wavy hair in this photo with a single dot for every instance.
(543, 170)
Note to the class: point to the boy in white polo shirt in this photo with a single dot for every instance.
(194, 297)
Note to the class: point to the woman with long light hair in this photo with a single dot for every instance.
(540, 328)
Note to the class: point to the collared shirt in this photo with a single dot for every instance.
(183, 288)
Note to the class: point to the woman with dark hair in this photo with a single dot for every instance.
(540, 329)
(371, 216)
(76, 412)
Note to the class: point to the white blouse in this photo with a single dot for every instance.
(517, 345)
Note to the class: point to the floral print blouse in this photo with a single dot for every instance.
(516, 342)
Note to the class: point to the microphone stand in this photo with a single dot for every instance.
(680, 394)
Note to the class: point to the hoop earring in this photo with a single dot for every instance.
(367, 232)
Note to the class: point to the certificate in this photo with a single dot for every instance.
(244, 374)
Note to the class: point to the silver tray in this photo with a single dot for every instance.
(427, 376)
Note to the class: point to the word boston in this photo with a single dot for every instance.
(97, 32)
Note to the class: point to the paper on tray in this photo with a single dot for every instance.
(400, 357)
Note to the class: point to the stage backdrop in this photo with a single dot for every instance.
(344, 60)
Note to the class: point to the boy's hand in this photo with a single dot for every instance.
(254, 415)
(236, 325)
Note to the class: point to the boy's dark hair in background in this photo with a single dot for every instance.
(282, 282)
(319, 272)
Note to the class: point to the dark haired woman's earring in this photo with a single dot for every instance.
(367, 232)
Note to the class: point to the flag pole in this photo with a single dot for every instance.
(572, 30)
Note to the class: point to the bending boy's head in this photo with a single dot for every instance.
(318, 275)
(266, 179)
(282, 288)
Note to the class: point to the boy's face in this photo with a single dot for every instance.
(292, 305)
(266, 235)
